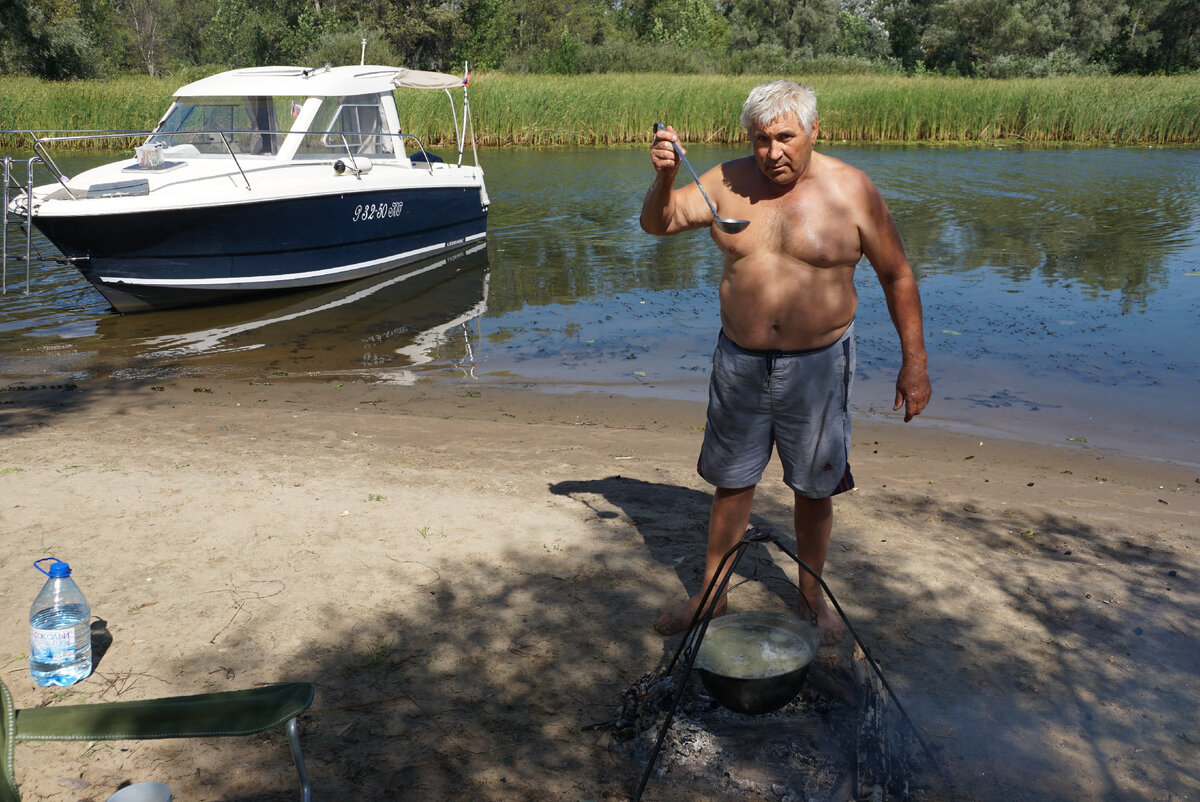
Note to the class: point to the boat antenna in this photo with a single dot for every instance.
(363, 61)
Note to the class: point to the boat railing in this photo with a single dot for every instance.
(349, 140)
(421, 146)
(232, 155)
(22, 137)
(354, 167)
(38, 140)
(40, 148)
(426, 156)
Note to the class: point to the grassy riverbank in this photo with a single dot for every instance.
(541, 110)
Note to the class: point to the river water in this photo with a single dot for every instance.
(1061, 290)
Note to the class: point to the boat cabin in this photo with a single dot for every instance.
(308, 113)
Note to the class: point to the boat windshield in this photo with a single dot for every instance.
(355, 123)
(250, 124)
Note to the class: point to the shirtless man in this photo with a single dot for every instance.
(785, 358)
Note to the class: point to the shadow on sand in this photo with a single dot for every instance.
(484, 679)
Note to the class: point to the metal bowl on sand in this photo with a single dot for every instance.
(756, 662)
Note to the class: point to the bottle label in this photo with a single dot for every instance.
(52, 646)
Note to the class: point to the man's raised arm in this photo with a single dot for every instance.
(666, 210)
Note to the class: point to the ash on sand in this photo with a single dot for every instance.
(803, 751)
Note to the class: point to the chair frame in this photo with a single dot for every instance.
(208, 715)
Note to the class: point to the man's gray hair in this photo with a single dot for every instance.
(770, 101)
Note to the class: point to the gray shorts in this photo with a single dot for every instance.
(796, 401)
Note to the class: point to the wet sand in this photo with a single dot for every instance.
(469, 575)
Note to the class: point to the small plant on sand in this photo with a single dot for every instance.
(91, 748)
(20, 658)
(379, 657)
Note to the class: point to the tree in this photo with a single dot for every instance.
(422, 32)
(231, 35)
(685, 23)
(186, 27)
(905, 21)
(963, 33)
(1180, 26)
(1093, 25)
(538, 33)
(45, 38)
(488, 38)
(144, 16)
(860, 32)
(16, 38)
(288, 30)
(1141, 44)
(808, 26)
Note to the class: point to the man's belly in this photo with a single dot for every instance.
(770, 301)
(775, 321)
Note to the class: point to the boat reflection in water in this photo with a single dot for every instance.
(423, 317)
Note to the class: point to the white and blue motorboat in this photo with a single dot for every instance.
(264, 180)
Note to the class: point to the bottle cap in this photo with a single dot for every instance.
(58, 569)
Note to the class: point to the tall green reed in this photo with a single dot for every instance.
(607, 109)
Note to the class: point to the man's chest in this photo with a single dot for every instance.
(820, 234)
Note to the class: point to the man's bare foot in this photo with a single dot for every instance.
(831, 626)
(678, 618)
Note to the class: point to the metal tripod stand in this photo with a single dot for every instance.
(689, 647)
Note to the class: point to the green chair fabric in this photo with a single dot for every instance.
(206, 715)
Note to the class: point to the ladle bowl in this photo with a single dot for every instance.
(763, 689)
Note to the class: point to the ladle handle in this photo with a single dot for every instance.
(696, 178)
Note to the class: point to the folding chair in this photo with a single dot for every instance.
(206, 715)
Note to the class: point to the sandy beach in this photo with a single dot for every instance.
(469, 576)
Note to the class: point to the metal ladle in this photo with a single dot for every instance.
(723, 223)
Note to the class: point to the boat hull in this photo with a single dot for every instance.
(155, 259)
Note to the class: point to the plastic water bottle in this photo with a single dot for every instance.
(60, 637)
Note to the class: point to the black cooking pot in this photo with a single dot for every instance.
(754, 695)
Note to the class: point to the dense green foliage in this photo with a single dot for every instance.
(618, 108)
(985, 38)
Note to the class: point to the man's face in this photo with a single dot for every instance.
(783, 149)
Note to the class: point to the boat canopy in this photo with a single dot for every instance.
(319, 82)
(421, 79)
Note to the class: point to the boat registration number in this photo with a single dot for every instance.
(377, 211)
